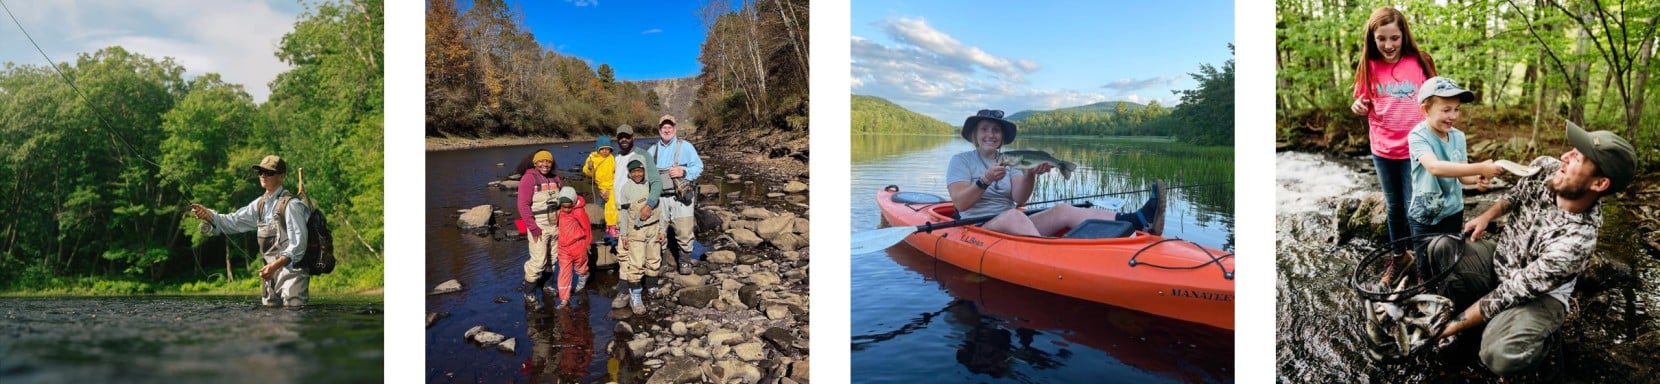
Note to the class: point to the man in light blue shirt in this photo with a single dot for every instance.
(679, 165)
(282, 243)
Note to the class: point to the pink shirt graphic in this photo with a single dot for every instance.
(1394, 105)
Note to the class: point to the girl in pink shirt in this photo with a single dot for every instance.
(1385, 91)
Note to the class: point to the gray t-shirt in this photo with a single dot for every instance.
(997, 198)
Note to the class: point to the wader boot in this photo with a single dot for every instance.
(634, 303)
(622, 295)
(529, 289)
(685, 262)
(581, 282)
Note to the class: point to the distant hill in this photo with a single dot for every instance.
(676, 95)
(871, 114)
(1105, 106)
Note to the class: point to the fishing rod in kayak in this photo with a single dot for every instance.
(1130, 192)
(882, 238)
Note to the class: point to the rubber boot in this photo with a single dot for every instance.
(622, 295)
(634, 303)
(685, 263)
(581, 282)
(529, 289)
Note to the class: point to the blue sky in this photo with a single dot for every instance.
(236, 39)
(641, 40)
(947, 59)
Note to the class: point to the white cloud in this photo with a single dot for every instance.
(932, 73)
(1131, 85)
(584, 3)
(235, 39)
(651, 31)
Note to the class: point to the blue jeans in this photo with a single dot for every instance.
(1396, 178)
(1451, 225)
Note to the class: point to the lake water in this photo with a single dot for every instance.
(1320, 334)
(916, 319)
(191, 339)
(490, 269)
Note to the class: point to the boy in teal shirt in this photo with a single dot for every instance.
(1440, 167)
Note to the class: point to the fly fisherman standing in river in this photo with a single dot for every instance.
(1520, 287)
(282, 244)
(678, 164)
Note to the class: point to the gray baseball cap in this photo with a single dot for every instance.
(1444, 87)
(625, 128)
(1615, 157)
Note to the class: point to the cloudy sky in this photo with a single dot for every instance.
(947, 59)
(640, 39)
(235, 39)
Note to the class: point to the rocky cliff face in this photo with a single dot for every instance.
(676, 95)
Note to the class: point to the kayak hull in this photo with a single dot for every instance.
(1166, 277)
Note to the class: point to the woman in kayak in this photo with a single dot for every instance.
(981, 186)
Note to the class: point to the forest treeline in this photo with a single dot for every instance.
(1530, 63)
(1204, 117)
(487, 75)
(97, 175)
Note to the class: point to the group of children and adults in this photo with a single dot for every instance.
(1515, 292)
(641, 205)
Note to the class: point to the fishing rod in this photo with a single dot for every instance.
(65, 77)
(1129, 192)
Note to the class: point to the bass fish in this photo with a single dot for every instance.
(1027, 159)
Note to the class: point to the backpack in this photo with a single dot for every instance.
(319, 241)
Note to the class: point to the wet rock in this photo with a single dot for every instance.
(452, 285)
(515, 176)
(678, 328)
(433, 317)
(677, 370)
(510, 184)
(501, 300)
(799, 371)
(708, 189)
(727, 371)
(698, 296)
(689, 280)
(653, 363)
(750, 295)
(751, 351)
(779, 338)
(795, 187)
(774, 195)
(744, 237)
(483, 336)
(510, 345)
(708, 218)
(477, 217)
(722, 257)
(640, 345)
(756, 213)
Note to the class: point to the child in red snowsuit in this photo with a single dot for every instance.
(575, 236)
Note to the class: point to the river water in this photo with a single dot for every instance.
(916, 319)
(490, 268)
(1320, 332)
(191, 339)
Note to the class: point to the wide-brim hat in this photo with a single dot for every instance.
(988, 114)
(1615, 157)
(272, 163)
(604, 142)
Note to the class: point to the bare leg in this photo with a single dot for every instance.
(1013, 222)
(1051, 221)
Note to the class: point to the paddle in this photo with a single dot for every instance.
(882, 238)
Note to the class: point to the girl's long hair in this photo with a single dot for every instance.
(1409, 48)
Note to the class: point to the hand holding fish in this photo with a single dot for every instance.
(995, 173)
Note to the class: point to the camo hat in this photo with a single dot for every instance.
(988, 114)
(669, 119)
(1615, 157)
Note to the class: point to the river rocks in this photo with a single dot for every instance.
(722, 337)
(722, 257)
(433, 317)
(728, 371)
(750, 351)
(770, 228)
(795, 187)
(777, 312)
(446, 287)
(689, 280)
(484, 337)
(477, 217)
(510, 185)
(750, 296)
(744, 237)
(756, 213)
(779, 338)
(774, 195)
(698, 296)
(708, 190)
(764, 279)
(788, 241)
(678, 328)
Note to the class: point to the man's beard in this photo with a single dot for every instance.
(1570, 192)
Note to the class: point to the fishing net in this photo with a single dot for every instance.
(1401, 295)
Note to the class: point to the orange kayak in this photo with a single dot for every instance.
(1163, 276)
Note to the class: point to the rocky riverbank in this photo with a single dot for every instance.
(741, 316)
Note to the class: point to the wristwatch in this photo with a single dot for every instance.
(981, 183)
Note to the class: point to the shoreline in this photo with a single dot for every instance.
(434, 144)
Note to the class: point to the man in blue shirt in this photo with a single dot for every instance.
(678, 164)
(281, 243)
